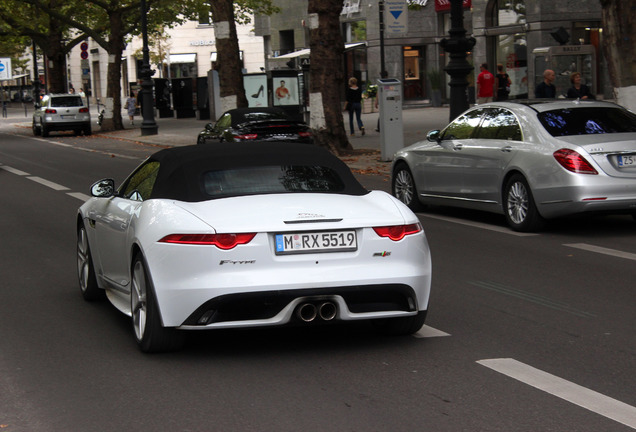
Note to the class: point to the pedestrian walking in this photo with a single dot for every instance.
(485, 84)
(354, 105)
(131, 107)
(502, 83)
(546, 89)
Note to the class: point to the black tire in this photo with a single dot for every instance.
(150, 333)
(200, 140)
(36, 129)
(401, 326)
(519, 207)
(403, 187)
(45, 130)
(85, 270)
(87, 131)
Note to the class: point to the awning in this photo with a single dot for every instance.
(15, 77)
(306, 51)
(183, 58)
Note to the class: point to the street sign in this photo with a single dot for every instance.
(84, 64)
(84, 46)
(396, 17)
(5, 68)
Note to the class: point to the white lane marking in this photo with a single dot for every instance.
(427, 332)
(574, 393)
(80, 196)
(47, 183)
(503, 230)
(602, 250)
(14, 171)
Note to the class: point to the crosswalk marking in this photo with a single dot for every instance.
(574, 393)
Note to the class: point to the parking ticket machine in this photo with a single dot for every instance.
(391, 128)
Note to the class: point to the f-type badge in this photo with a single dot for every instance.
(382, 254)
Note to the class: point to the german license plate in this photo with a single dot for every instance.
(68, 116)
(324, 241)
(626, 160)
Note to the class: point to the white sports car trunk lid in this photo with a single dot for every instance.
(296, 211)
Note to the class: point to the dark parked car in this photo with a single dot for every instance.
(256, 124)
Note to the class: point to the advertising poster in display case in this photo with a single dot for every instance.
(285, 91)
(256, 89)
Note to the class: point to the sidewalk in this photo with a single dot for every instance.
(184, 131)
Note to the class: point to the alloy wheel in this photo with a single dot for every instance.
(138, 300)
(518, 202)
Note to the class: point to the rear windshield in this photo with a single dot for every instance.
(587, 121)
(271, 179)
(67, 101)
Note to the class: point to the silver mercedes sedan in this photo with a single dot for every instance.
(530, 160)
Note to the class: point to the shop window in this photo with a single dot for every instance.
(414, 69)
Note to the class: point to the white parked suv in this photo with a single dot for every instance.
(61, 112)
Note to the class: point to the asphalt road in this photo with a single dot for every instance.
(524, 333)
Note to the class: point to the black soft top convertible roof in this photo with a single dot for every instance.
(181, 169)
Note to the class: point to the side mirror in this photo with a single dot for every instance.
(209, 127)
(434, 136)
(103, 188)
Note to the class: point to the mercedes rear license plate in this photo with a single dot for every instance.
(626, 160)
(308, 242)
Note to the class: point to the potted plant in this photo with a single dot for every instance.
(435, 79)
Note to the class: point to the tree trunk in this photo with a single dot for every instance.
(115, 49)
(619, 47)
(56, 62)
(326, 80)
(228, 58)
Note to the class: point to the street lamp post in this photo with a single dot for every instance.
(36, 78)
(458, 46)
(148, 125)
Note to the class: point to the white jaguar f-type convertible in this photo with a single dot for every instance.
(250, 234)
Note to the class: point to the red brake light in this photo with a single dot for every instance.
(304, 134)
(573, 161)
(222, 241)
(83, 110)
(50, 111)
(246, 136)
(397, 232)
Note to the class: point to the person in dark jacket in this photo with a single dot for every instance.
(354, 104)
(502, 83)
(578, 90)
(546, 89)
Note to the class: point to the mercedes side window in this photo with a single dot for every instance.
(464, 126)
(140, 183)
(501, 124)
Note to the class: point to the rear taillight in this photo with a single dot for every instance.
(50, 111)
(573, 161)
(83, 110)
(304, 134)
(222, 241)
(246, 136)
(397, 232)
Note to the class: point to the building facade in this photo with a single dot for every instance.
(513, 33)
(189, 51)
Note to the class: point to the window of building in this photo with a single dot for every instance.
(510, 49)
(414, 72)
